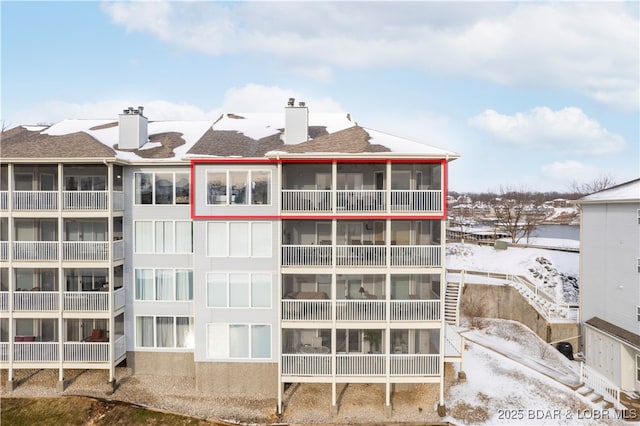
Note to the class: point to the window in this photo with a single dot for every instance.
(238, 187)
(164, 332)
(163, 236)
(239, 239)
(638, 313)
(163, 284)
(239, 290)
(238, 341)
(161, 188)
(638, 368)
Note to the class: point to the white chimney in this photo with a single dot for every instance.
(132, 126)
(296, 123)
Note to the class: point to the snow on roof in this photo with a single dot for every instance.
(628, 191)
(401, 145)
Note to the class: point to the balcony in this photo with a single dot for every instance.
(85, 200)
(423, 256)
(35, 200)
(36, 300)
(36, 351)
(362, 201)
(85, 250)
(361, 310)
(4, 250)
(86, 351)
(4, 200)
(35, 250)
(4, 300)
(356, 364)
(86, 301)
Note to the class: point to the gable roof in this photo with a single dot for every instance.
(231, 135)
(625, 192)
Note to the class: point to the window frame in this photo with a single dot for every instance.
(251, 290)
(225, 328)
(226, 252)
(174, 197)
(154, 292)
(249, 188)
(152, 238)
(154, 331)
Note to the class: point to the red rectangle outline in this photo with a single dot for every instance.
(192, 191)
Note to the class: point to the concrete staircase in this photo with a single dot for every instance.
(452, 301)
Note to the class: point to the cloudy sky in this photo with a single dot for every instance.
(532, 95)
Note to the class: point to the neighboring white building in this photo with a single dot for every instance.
(241, 254)
(610, 282)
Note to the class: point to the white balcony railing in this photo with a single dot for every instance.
(4, 352)
(360, 310)
(35, 250)
(306, 310)
(36, 300)
(118, 249)
(120, 346)
(86, 351)
(85, 200)
(422, 256)
(416, 200)
(36, 352)
(415, 310)
(85, 250)
(118, 298)
(4, 200)
(86, 301)
(415, 365)
(35, 200)
(4, 300)
(306, 365)
(600, 385)
(361, 255)
(306, 255)
(4, 250)
(306, 200)
(360, 364)
(361, 200)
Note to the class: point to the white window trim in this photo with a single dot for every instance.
(154, 299)
(249, 239)
(153, 188)
(249, 203)
(249, 325)
(162, 348)
(250, 274)
(153, 236)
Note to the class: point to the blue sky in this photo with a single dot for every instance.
(532, 95)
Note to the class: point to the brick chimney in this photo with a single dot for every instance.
(132, 126)
(296, 122)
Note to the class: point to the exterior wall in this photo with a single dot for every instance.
(609, 277)
(173, 364)
(237, 379)
(505, 302)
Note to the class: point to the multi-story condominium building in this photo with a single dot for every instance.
(610, 283)
(243, 254)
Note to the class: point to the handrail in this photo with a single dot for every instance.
(600, 385)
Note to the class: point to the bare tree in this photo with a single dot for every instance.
(518, 212)
(599, 183)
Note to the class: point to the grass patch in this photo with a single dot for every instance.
(75, 410)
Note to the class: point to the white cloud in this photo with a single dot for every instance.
(588, 47)
(249, 98)
(568, 130)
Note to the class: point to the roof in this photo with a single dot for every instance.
(618, 332)
(625, 192)
(231, 135)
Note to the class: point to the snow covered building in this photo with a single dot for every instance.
(243, 254)
(610, 282)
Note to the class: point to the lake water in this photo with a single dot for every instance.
(567, 232)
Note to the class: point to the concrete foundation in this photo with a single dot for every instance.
(505, 302)
(162, 363)
(237, 379)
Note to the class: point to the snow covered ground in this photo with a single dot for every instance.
(512, 389)
(552, 270)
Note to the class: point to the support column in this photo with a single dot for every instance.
(60, 232)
